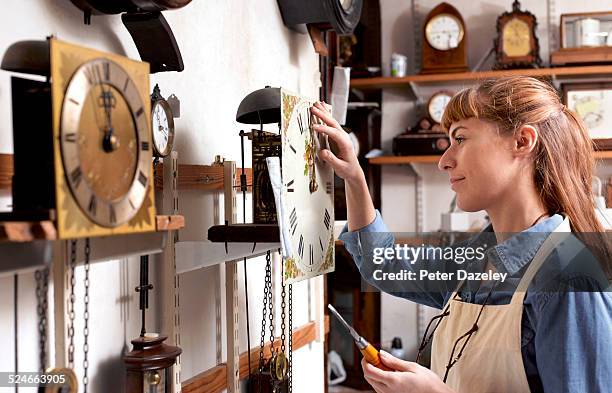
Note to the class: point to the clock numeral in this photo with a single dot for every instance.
(75, 102)
(301, 247)
(112, 216)
(125, 85)
(106, 71)
(90, 74)
(292, 148)
(142, 178)
(70, 137)
(132, 204)
(288, 185)
(311, 255)
(300, 124)
(75, 176)
(144, 145)
(92, 205)
(327, 220)
(321, 243)
(328, 187)
(293, 221)
(139, 112)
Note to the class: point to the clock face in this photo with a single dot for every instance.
(437, 105)
(105, 143)
(308, 194)
(163, 127)
(516, 36)
(444, 32)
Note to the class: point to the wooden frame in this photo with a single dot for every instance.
(572, 54)
(502, 61)
(601, 116)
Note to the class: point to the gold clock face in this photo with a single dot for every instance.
(105, 143)
(444, 32)
(516, 37)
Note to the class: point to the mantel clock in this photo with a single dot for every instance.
(444, 41)
(516, 45)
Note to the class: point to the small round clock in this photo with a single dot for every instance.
(162, 121)
(437, 104)
(104, 139)
(444, 32)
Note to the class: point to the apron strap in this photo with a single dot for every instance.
(560, 233)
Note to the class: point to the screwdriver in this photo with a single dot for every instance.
(368, 351)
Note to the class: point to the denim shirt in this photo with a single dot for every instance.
(566, 336)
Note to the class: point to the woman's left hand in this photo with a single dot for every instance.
(407, 377)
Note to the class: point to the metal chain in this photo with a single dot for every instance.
(42, 282)
(283, 315)
(290, 337)
(86, 318)
(71, 305)
(270, 302)
(263, 319)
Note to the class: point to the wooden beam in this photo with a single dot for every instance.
(169, 222)
(6, 171)
(201, 177)
(214, 379)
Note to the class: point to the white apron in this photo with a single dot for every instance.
(492, 360)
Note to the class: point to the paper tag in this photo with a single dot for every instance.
(175, 105)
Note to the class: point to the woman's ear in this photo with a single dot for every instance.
(526, 139)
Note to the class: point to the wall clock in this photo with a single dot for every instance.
(516, 45)
(162, 124)
(87, 154)
(444, 41)
(307, 193)
(437, 104)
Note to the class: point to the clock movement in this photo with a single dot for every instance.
(516, 45)
(444, 41)
(85, 158)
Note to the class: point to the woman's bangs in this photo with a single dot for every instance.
(462, 106)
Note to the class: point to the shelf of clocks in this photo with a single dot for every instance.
(433, 159)
(28, 245)
(559, 72)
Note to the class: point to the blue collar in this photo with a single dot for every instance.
(514, 253)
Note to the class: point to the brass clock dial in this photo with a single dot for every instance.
(307, 193)
(516, 36)
(444, 32)
(105, 142)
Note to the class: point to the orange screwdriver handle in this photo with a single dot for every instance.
(371, 356)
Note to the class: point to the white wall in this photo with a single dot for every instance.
(399, 112)
(229, 48)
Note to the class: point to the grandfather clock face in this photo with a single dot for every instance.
(307, 193)
(105, 143)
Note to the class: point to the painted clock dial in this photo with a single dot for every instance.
(437, 104)
(516, 37)
(307, 193)
(105, 143)
(444, 32)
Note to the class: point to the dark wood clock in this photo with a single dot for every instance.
(516, 45)
(444, 41)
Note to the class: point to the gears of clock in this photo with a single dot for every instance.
(162, 124)
(516, 45)
(85, 159)
(444, 41)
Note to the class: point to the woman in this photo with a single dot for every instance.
(519, 154)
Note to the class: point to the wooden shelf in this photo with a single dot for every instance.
(382, 82)
(398, 160)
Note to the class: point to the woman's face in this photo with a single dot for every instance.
(480, 164)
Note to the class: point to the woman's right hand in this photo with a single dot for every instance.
(345, 162)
